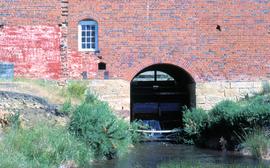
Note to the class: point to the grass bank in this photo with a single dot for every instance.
(42, 146)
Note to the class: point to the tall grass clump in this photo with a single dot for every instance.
(42, 146)
(257, 142)
(94, 123)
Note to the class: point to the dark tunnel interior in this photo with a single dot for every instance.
(159, 93)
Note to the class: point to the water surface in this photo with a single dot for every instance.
(151, 154)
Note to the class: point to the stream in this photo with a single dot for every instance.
(152, 154)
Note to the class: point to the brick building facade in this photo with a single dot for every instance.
(223, 44)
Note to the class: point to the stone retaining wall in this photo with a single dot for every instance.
(116, 92)
(210, 93)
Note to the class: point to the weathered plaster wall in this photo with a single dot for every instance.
(34, 50)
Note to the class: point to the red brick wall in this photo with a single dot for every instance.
(29, 12)
(29, 37)
(135, 34)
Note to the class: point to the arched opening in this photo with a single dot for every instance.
(159, 93)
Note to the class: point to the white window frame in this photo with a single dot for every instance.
(91, 23)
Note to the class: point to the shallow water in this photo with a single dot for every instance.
(151, 154)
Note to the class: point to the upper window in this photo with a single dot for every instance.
(88, 35)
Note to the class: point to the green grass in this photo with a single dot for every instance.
(42, 146)
(40, 82)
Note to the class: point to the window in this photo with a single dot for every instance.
(88, 35)
(153, 76)
(145, 76)
(162, 76)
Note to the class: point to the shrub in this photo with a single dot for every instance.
(257, 112)
(96, 125)
(227, 119)
(42, 146)
(225, 112)
(231, 118)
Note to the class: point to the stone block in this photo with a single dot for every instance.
(200, 99)
(242, 85)
(231, 92)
